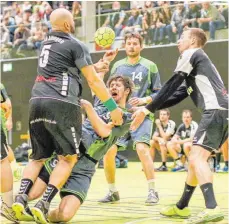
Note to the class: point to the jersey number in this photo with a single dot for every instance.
(137, 76)
(44, 56)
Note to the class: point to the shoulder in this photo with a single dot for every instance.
(172, 123)
(194, 124)
(77, 43)
(181, 126)
(119, 63)
(149, 64)
(2, 86)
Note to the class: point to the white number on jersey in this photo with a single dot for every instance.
(44, 56)
(137, 76)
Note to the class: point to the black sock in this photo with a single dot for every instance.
(226, 163)
(218, 158)
(209, 197)
(187, 194)
(163, 163)
(26, 185)
(177, 159)
(50, 193)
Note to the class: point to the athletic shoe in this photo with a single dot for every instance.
(174, 211)
(225, 169)
(162, 168)
(153, 198)
(111, 197)
(20, 205)
(40, 212)
(217, 169)
(8, 213)
(178, 168)
(207, 215)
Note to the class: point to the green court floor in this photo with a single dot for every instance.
(133, 190)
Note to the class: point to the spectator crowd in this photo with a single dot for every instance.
(24, 25)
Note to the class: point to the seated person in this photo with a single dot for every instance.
(163, 133)
(181, 142)
(211, 19)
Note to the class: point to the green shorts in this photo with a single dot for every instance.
(79, 181)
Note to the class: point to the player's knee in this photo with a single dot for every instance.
(142, 149)
(65, 214)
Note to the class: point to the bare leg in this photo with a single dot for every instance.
(68, 207)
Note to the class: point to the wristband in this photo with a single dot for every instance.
(110, 104)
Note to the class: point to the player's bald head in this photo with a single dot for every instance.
(62, 20)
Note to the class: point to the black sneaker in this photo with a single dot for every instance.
(111, 197)
(40, 212)
(19, 205)
(8, 213)
(162, 168)
(152, 198)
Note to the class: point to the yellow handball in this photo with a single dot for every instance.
(104, 37)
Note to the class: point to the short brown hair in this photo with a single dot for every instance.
(187, 111)
(127, 82)
(166, 110)
(134, 35)
(199, 34)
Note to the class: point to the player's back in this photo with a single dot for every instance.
(204, 83)
(60, 60)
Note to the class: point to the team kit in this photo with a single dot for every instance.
(67, 148)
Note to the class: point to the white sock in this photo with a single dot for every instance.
(7, 198)
(179, 163)
(151, 184)
(112, 187)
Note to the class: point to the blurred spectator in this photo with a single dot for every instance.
(26, 6)
(135, 21)
(76, 9)
(21, 34)
(116, 19)
(37, 36)
(211, 19)
(163, 24)
(177, 20)
(9, 22)
(48, 11)
(194, 13)
(5, 42)
(27, 18)
(223, 9)
(18, 16)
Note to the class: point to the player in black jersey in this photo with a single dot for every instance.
(98, 134)
(54, 110)
(205, 87)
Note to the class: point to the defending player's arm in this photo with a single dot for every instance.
(84, 63)
(100, 127)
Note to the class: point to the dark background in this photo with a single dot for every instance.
(19, 82)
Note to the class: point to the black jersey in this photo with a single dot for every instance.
(187, 132)
(58, 75)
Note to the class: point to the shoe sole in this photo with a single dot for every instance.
(215, 219)
(18, 208)
(110, 202)
(8, 218)
(151, 203)
(175, 216)
(38, 216)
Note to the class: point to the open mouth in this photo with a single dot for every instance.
(114, 94)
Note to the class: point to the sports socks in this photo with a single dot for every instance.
(112, 187)
(178, 162)
(209, 197)
(50, 193)
(26, 185)
(187, 194)
(151, 184)
(163, 163)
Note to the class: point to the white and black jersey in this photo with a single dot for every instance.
(169, 128)
(195, 75)
(187, 132)
(61, 58)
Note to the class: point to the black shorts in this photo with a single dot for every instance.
(212, 131)
(54, 126)
(3, 145)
